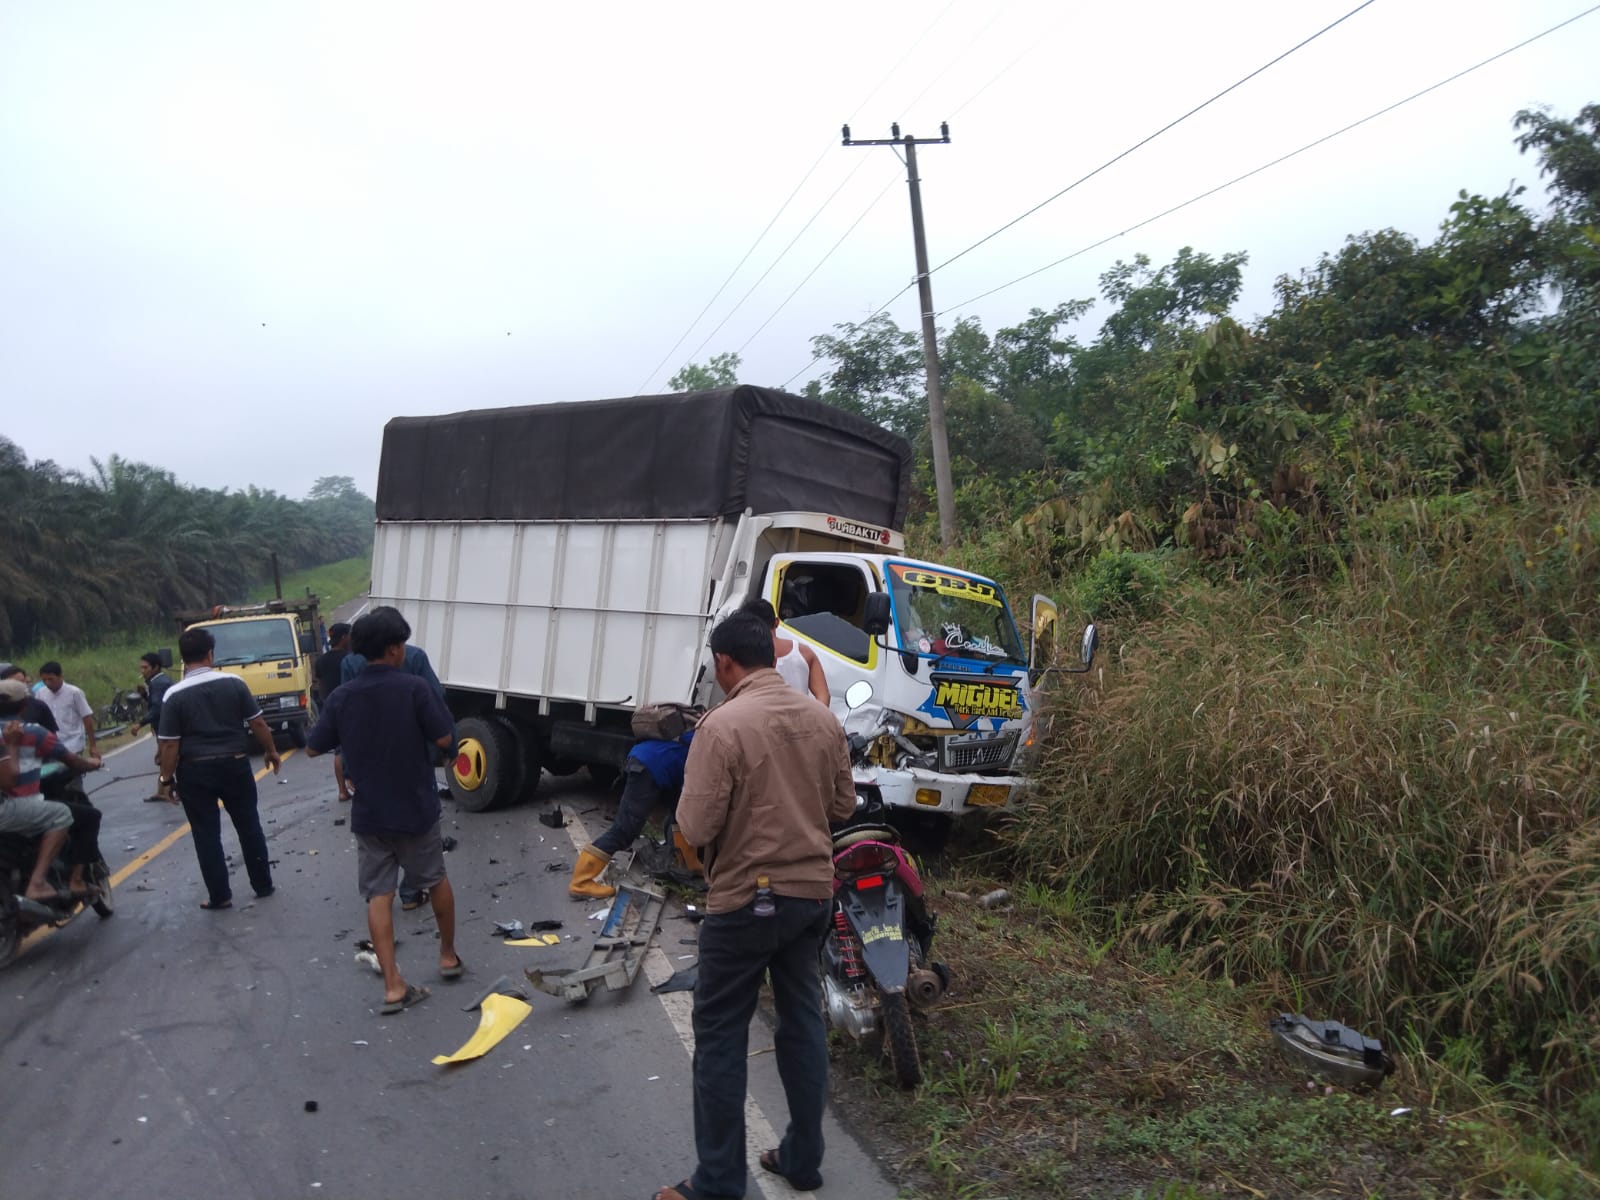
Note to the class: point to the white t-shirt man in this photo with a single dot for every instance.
(70, 707)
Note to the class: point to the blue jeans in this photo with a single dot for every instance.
(201, 783)
(736, 950)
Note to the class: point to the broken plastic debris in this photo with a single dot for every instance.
(499, 1016)
(995, 898)
(367, 958)
(509, 929)
(652, 1079)
(555, 819)
(449, 843)
(544, 924)
(600, 914)
(542, 939)
(362, 1042)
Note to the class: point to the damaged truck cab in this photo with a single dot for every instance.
(564, 563)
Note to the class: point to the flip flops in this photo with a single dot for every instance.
(210, 907)
(678, 1191)
(454, 972)
(414, 995)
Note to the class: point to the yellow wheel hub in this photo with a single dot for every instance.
(470, 764)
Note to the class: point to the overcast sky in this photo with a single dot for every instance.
(236, 239)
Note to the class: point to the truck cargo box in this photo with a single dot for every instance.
(688, 455)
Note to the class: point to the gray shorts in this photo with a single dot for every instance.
(30, 816)
(381, 858)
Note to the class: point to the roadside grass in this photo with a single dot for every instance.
(332, 583)
(1059, 1068)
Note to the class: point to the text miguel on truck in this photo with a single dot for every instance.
(563, 563)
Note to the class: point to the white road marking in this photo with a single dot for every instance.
(759, 1134)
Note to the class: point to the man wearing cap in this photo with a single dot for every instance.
(35, 711)
(24, 748)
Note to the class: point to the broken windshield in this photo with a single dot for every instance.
(939, 612)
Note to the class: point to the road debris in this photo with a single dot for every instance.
(498, 1016)
(1333, 1052)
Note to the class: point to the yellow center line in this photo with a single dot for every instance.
(166, 843)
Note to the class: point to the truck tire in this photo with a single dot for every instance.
(297, 734)
(487, 771)
(526, 746)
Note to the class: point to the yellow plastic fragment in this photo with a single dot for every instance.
(538, 939)
(500, 1015)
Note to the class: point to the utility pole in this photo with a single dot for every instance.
(930, 343)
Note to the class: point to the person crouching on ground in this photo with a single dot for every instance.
(387, 723)
(652, 775)
(767, 772)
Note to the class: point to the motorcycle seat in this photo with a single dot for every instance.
(846, 838)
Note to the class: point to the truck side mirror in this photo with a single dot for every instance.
(308, 643)
(165, 655)
(876, 622)
(1091, 639)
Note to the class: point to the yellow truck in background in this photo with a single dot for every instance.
(272, 647)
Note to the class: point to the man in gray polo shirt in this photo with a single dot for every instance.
(207, 718)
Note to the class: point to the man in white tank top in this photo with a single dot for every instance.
(797, 662)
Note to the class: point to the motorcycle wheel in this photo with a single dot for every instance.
(104, 904)
(900, 1040)
(10, 925)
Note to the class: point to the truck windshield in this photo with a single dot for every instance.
(240, 642)
(940, 612)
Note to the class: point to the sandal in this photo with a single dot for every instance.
(769, 1162)
(414, 995)
(454, 972)
(678, 1191)
(210, 907)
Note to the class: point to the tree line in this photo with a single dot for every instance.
(123, 546)
(1391, 365)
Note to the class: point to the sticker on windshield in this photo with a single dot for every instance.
(948, 585)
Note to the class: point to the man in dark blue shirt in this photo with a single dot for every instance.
(387, 722)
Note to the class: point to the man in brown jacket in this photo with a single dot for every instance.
(767, 771)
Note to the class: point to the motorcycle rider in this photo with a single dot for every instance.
(23, 811)
(35, 711)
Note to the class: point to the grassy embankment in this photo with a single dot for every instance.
(102, 668)
(1362, 790)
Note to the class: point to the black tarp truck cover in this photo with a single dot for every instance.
(692, 454)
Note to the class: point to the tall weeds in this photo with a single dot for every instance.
(1383, 785)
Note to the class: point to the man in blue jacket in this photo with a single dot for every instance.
(653, 775)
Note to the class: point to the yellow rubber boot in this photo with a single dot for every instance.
(586, 875)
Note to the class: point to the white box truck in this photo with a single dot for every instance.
(563, 563)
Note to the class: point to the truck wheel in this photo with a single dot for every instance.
(487, 771)
(525, 746)
(297, 734)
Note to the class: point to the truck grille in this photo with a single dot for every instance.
(976, 752)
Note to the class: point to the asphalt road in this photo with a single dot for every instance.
(171, 1052)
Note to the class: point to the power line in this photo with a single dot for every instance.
(782, 208)
(1280, 159)
(773, 265)
(760, 237)
(1152, 137)
(876, 200)
(961, 56)
(816, 358)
